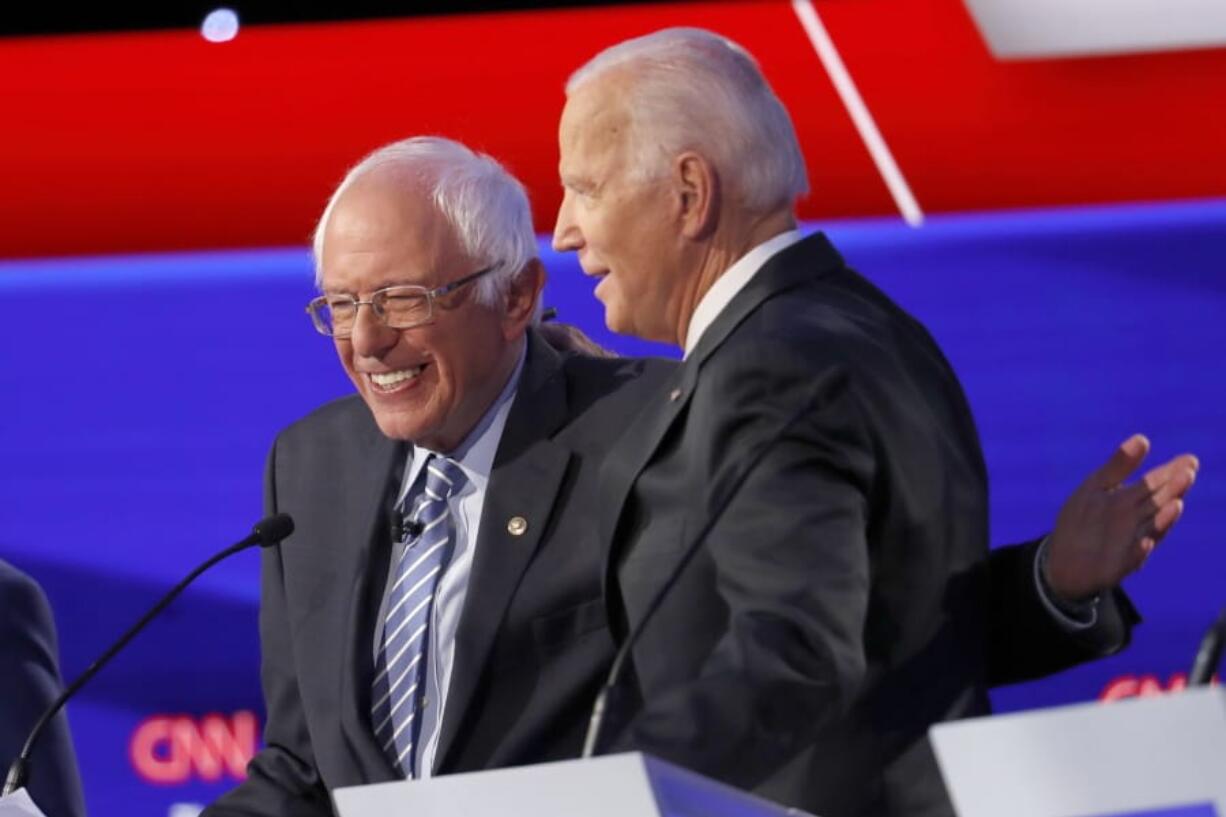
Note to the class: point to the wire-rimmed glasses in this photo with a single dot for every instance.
(400, 307)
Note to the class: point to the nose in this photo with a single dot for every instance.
(566, 235)
(371, 337)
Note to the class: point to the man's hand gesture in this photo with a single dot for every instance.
(1106, 530)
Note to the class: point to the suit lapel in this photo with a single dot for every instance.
(630, 456)
(524, 484)
(801, 262)
(370, 489)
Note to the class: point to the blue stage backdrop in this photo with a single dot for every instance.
(141, 395)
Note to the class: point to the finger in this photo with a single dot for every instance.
(1143, 550)
(1122, 463)
(1164, 520)
(1184, 462)
(1162, 484)
(1175, 487)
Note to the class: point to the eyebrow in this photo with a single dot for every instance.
(580, 184)
(352, 294)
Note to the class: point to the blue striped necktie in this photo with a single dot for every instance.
(400, 679)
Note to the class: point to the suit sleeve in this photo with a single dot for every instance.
(788, 659)
(29, 682)
(282, 779)
(1025, 641)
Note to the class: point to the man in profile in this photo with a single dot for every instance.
(838, 607)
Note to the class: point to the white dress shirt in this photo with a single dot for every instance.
(733, 281)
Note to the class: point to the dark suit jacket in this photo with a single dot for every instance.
(532, 646)
(838, 608)
(1024, 640)
(29, 682)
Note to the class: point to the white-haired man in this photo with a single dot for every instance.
(475, 636)
(838, 606)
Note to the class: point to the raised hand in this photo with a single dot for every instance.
(1106, 530)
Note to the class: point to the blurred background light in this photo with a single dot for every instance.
(220, 26)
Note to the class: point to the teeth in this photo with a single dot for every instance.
(388, 379)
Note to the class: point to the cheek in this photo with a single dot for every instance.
(440, 388)
(344, 353)
(596, 229)
(447, 373)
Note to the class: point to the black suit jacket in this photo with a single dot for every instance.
(29, 682)
(532, 645)
(1025, 641)
(838, 608)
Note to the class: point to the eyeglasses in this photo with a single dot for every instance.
(400, 307)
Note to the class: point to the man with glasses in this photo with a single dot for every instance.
(438, 608)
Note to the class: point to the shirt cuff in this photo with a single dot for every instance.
(1072, 616)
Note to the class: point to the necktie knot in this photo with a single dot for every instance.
(443, 478)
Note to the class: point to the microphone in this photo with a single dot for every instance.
(600, 708)
(266, 533)
(1209, 656)
(403, 528)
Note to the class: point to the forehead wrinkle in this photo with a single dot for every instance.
(595, 159)
(382, 234)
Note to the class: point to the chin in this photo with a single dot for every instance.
(615, 319)
(399, 427)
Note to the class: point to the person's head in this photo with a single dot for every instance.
(427, 212)
(675, 153)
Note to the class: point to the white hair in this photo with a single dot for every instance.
(693, 89)
(485, 205)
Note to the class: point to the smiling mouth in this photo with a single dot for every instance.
(388, 382)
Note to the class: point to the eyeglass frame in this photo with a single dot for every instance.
(430, 295)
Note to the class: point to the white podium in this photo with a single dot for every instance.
(1164, 755)
(625, 785)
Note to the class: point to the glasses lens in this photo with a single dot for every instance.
(334, 316)
(402, 307)
(318, 317)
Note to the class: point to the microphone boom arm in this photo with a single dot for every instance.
(267, 532)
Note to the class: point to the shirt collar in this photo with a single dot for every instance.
(731, 282)
(475, 454)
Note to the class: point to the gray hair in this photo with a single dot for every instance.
(693, 89)
(485, 205)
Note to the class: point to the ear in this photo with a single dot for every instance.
(522, 299)
(697, 184)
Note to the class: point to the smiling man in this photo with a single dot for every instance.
(839, 605)
(432, 385)
(438, 608)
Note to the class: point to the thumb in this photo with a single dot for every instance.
(1122, 463)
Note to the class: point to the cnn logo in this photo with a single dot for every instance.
(1144, 686)
(173, 749)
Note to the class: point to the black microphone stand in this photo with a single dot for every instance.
(267, 532)
(1209, 656)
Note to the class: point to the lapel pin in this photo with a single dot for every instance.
(516, 525)
(674, 394)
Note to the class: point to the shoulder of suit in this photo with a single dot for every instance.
(343, 416)
(600, 375)
(15, 581)
(22, 601)
(839, 315)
